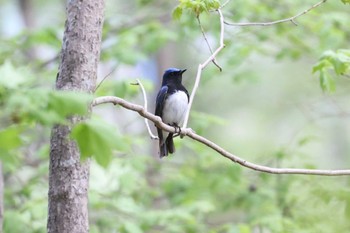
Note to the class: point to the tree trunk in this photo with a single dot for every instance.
(69, 178)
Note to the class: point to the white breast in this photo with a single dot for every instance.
(175, 108)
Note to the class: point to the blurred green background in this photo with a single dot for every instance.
(266, 106)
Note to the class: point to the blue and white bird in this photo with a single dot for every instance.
(171, 106)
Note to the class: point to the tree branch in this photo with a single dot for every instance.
(291, 19)
(105, 77)
(190, 133)
(138, 82)
(203, 65)
(206, 40)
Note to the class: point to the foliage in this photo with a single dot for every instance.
(197, 7)
(338, 61)
(98, 139)
(25, 104)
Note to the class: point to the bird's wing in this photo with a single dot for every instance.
(182, 88)
(162, 94)
(188, 96)
(160, 101)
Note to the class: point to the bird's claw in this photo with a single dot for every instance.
(177, 130)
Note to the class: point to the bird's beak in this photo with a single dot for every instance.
(183, 71)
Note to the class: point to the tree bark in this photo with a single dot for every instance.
(69, 178)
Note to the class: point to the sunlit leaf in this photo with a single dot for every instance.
(195, 6)
(338, 61)
(327, 82)
(177, 13)
(321, 65)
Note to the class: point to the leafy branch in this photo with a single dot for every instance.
(337, 62)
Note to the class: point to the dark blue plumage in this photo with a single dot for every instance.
(171, 106)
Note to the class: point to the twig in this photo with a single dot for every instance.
(291, 19)
(206, 40)
(107, 75)
(189, 132)
(203, 65)
(225, 3)
(51, 60)
(138, 82)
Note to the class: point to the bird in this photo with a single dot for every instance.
(171, 105)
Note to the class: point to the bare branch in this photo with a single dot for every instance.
(203, 65)
(291, 19)
(206, 40)
(190, 133)
(225, 3)
(105, 77)
(49, 61)
(145, 107)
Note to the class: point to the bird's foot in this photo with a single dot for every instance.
(177, 130)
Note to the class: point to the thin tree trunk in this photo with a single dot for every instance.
(69, 178)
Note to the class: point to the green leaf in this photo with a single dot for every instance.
(177, 13)
(195, 6)
(321, 65)
(69, 103)
(338, 61)
(346, 1)
(45, 106)
(327, 82)
(10, 137)
(97, 139)
(213, 4)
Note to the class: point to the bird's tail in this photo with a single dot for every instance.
(167, 146)
(163, 151)
(170, 143)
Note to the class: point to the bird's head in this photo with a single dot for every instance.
(173, 75)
